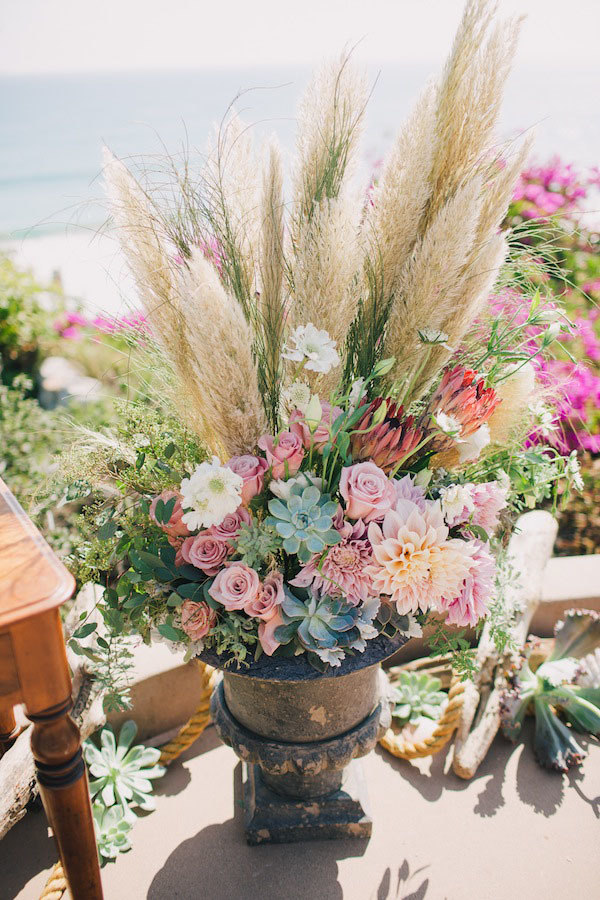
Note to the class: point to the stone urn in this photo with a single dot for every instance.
(299, 734)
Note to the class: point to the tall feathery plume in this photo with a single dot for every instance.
(517, 393)
(469, 98)
(220, 341)
(232, 207)
(271, 316)
(429, 282)
(141, 238)
(325, 214)
(399, 198)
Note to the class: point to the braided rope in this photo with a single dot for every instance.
(447, 724)
(191, 731)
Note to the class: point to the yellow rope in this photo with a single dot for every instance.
(403, 749)
(57, 883)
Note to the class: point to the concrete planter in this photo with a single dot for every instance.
(299, 735)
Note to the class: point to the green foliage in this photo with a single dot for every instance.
(234, 636)
(417, 694)
(25, 322)
(257, 543)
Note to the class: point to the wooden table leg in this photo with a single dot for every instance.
(56, 747)
(8, 729)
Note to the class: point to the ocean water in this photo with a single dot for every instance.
(52, 128)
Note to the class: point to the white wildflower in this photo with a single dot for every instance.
(356, 393)
(470, 447)
(283, 489)
(212, 492)
(295, 396)
(544, 417)
(313, 347)
(455, 499)
(448, 424)
(574, 470)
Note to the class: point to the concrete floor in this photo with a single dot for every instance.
(515, 831)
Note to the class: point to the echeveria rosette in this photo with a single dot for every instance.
(123, 774)
(326, 626)
(112, 826)
(304, 521)
(417, 694)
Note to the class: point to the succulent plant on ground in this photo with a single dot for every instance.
(559, 693)
(417, 695)
(304, 521)
(122, 774)
(112, 825)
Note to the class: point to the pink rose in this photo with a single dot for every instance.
(175, 527)
(235, 586)
(229, 528)
(322, 432)
(197, 619)
(252, 470)
(266, 633)
(286, 453)
(367, 490)
(269, 597)
(205, 551)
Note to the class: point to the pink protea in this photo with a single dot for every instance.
(471, 603)
(461, 395)
(414, 562)
(389, 443)
(343, 571)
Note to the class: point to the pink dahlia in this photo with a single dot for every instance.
(414, 563)
(471, 603)
(343, 571)
(489, 500)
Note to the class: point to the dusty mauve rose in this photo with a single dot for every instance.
(269, 597)
(235, 586)
(205, 551)
(229, 528)
(367, 490)
(266, 633)
(252, 470)
(321, 434)
(288, 450)
(175, 527)
(197, 619)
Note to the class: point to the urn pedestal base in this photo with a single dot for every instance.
(271, 818)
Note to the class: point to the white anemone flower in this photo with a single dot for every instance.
(313, 347)
(212, 492)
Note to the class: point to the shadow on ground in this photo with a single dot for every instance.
(539, 788)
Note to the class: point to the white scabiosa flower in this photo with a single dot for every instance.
(313, 347)
(212, 492)
(295, 396)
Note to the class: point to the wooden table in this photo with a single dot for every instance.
(34, 671)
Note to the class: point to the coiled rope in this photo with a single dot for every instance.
(57, 883)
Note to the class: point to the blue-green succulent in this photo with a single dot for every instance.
(326, 626)
(305, 521)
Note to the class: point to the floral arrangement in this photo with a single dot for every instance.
(347, 452)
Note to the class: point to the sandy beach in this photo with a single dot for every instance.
(90, 266)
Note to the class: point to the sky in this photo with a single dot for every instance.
(43, 36)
